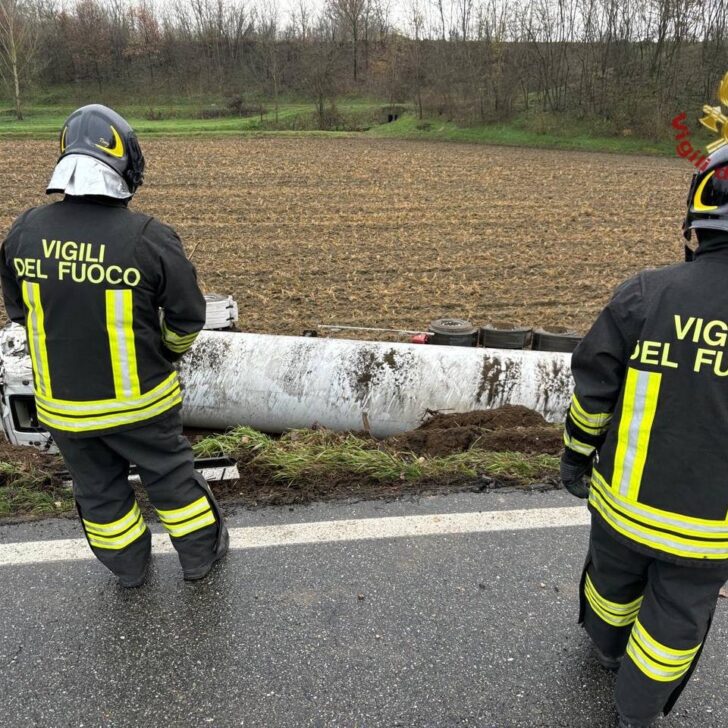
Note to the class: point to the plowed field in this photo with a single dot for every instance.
(307, 231)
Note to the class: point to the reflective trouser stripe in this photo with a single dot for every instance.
(661, 530)
(37, 338)
(641, 392)
(195, 524)
(189, 518)
(178, 343)
(657, 661)
(613, 613)
(120, 328)
(116, 535)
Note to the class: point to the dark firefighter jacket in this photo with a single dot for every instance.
(651, 396)
(87, 277)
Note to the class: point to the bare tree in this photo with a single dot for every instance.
(417, 52)
(19, 33)
(268, 32)
(351, 14)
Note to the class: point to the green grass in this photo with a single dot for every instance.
(306, 455)
(45, 121)
(31, 491)
(409, 127)
(181, 117)
(298, 458)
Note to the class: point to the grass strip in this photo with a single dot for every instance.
(32, 490)
(31, 486)
(580, 138)
(180, 118)
(308, 455)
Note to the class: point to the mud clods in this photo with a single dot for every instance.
(502, 418)
(510, 428)
(26, 460)
(370, 366)
(208, 357)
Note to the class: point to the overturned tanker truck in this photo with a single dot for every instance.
(279, 383)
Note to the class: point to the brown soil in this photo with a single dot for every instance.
(307, 231)
(258, 489)
(511, 428)
(502, 418)
(28, 459)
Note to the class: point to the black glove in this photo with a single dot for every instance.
(575, 472)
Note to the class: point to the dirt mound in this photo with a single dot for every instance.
(25, 460)
(502, 418)
(511, 428)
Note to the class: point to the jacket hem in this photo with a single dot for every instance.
(652, 552)
(101, 432)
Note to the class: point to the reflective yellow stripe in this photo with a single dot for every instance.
(182, 529)
(585, 426)
(101, 422)
(624, 426)
(651, 669)
(37, 338)
(659, 518)
(179, 343)
(115, 544)
(577, 446)
(115, 527)
(120, 329)
(117, 534)
(180, 514)
(108, 406)
(649, 524)
(613, 613)
(655, 660)
(641, 393)
(189, 518)
(661, 652)
(589, 418)
(178, 348)
(616, 607)
(654, 379)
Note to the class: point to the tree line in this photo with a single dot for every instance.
(627, 65)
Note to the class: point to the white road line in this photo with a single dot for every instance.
(33, 552)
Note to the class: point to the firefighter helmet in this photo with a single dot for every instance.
(99, 132)
(708, 196)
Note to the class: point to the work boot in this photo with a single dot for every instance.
(608, 663)
(624, 723)
(132, 582)
(201, 572)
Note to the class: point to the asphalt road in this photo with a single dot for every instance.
(460, 629)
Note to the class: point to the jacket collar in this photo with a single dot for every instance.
(96, 200)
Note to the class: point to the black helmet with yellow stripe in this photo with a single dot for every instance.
(99, 132)
(708, 196)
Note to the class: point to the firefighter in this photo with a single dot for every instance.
(88, 278)
(646, 441)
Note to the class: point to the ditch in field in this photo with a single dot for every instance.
(510, 446)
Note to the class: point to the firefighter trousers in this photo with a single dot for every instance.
(654, 614)
(111, 517)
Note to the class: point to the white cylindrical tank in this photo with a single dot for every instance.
(277, 383)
